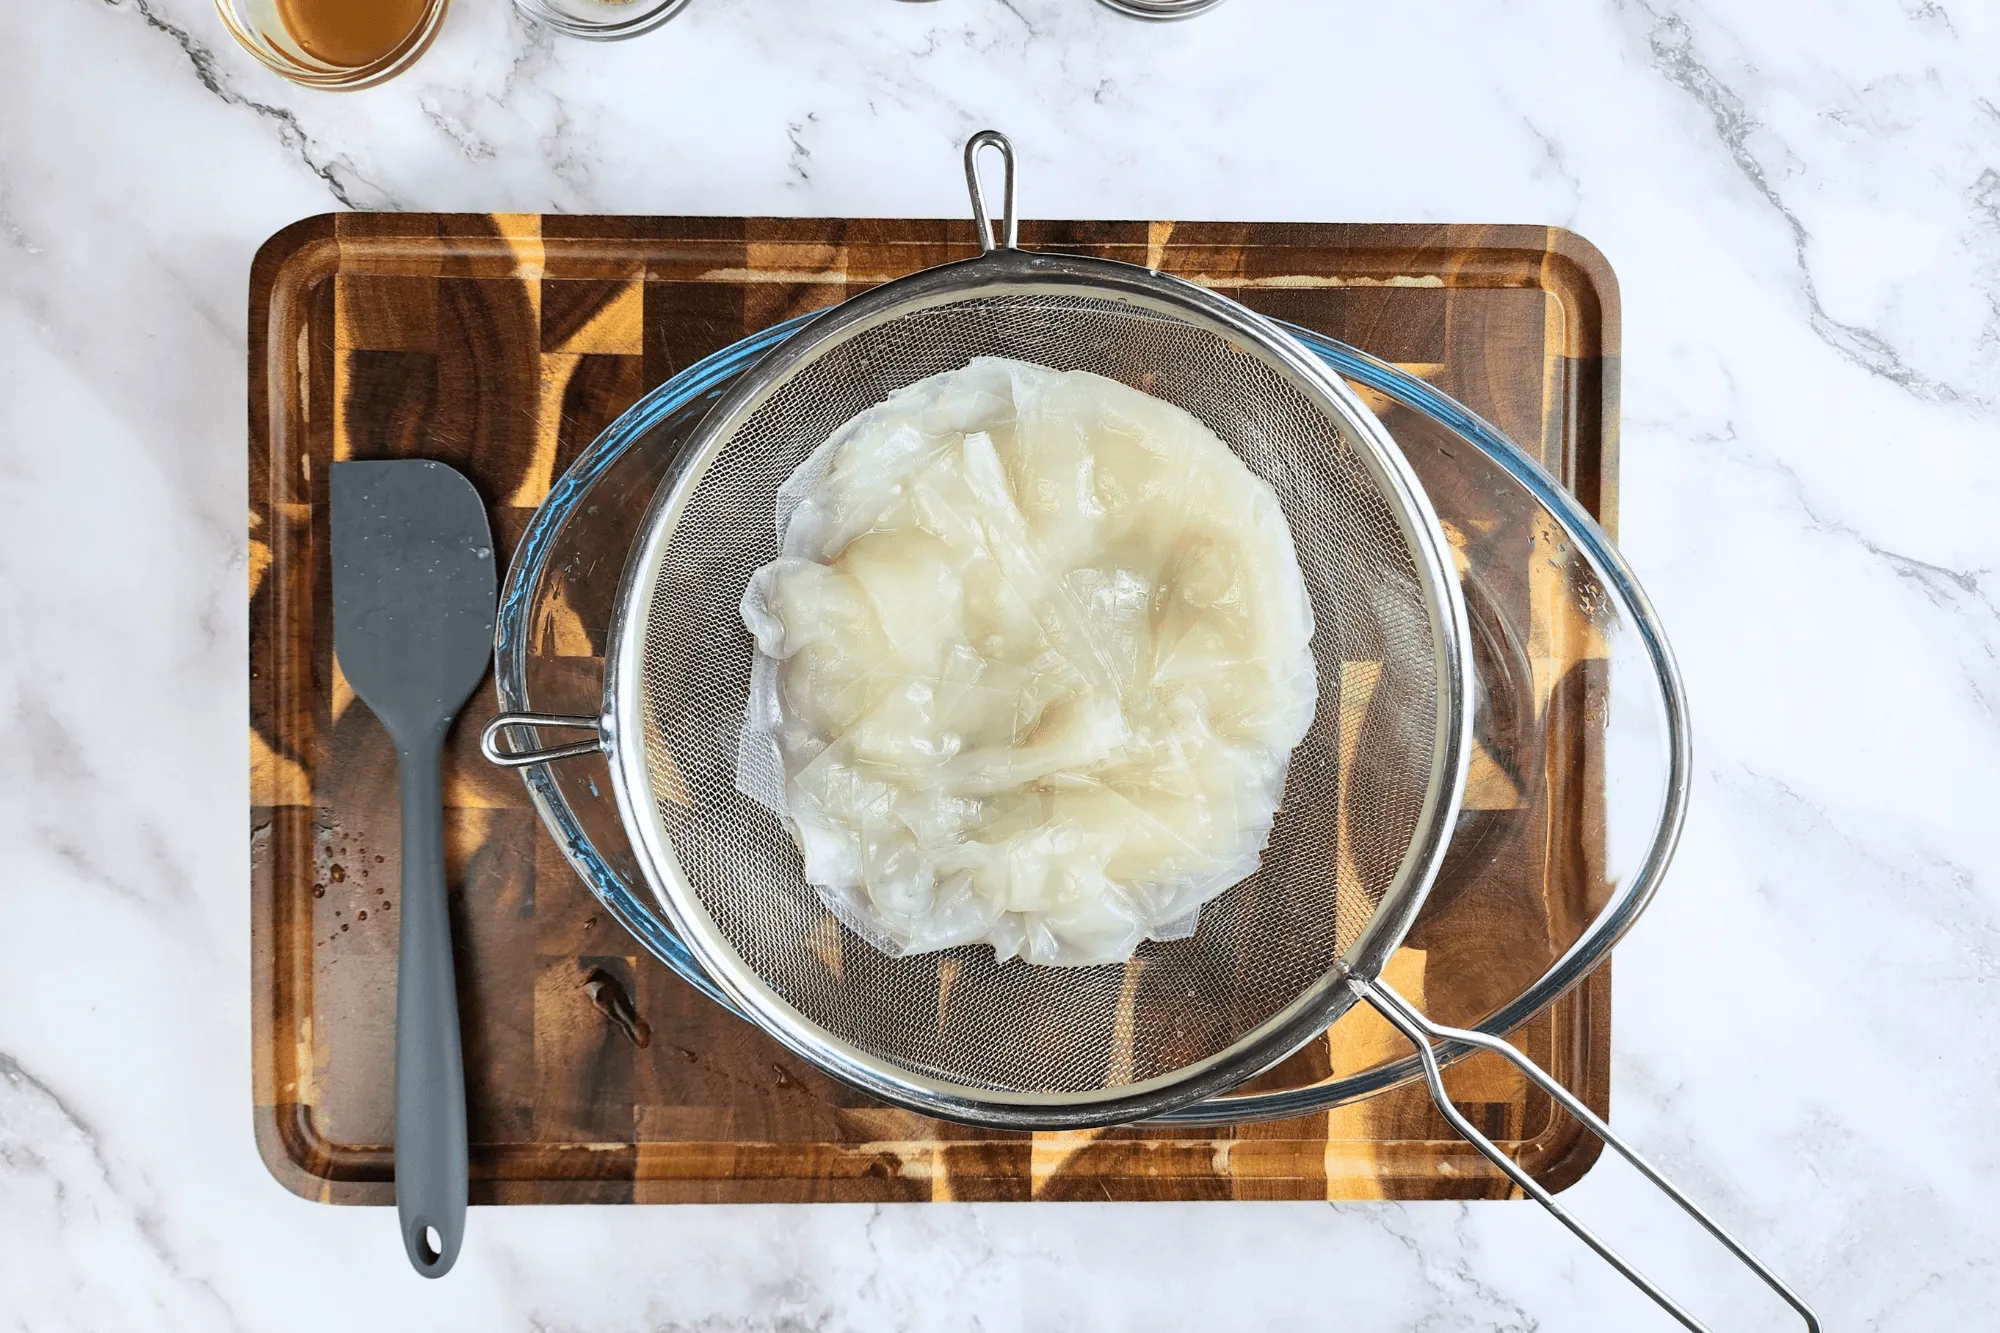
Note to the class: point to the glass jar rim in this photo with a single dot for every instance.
(307, 72)
(652, 13)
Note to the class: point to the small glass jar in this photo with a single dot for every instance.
(338, 45)
(601, 20)
(1160, 10)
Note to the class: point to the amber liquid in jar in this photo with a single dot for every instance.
(350, 33)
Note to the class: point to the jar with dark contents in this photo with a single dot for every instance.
(334, 44)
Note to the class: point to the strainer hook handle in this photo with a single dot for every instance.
(1422, 1032)
(1009, 225)
(490, 740)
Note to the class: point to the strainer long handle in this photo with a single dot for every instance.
(1422, 1032)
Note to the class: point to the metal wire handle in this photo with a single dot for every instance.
(489, 739)
(1421, 1032)
(980, 217)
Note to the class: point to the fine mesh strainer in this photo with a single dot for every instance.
(1370, 796)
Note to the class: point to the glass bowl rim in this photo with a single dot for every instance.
(630, 909)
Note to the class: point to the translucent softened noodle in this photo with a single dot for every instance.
(1030, 666)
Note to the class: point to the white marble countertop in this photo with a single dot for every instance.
(1802, 202)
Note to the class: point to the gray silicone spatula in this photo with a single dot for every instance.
(413, 595)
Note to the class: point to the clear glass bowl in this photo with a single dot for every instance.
(1578, 710)
(601, 20)
(259, 27)
(1158, 11)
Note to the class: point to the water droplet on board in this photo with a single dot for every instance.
(343, 925)
(337, 873)
(361, 915)
(319, 890)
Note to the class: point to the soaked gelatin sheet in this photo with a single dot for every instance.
(1030, 666)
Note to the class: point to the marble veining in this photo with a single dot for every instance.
(1803, 206)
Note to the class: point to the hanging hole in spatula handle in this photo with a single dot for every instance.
(1422, 1032)
(490, 740)
(981, 216)
(430, 1252)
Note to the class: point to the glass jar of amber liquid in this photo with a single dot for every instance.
(334, 44)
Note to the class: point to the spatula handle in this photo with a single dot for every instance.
(430, 1068)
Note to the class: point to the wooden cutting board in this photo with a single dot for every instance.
(502, 345)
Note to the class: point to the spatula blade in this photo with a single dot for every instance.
(413, 587)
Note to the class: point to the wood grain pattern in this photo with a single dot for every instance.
(503, 345)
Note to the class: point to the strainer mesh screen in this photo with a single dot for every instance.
(1353, 797)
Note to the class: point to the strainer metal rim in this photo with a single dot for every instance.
(1009, 272)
